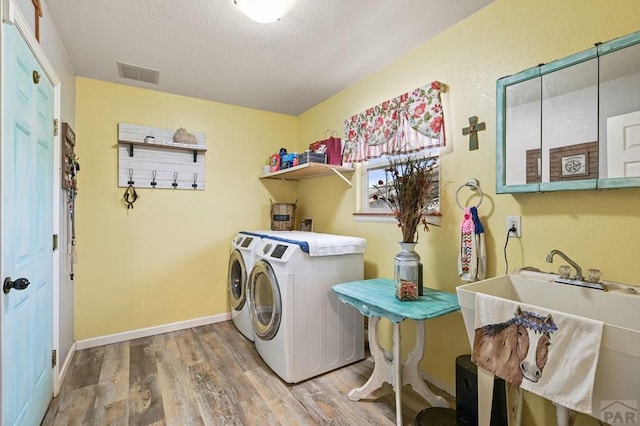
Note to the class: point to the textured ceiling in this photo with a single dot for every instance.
(208, 49)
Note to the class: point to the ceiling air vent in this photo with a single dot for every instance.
(135, 72)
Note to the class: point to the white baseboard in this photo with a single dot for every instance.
(65, 367)
(388, 355)
(451, 390)
(150, 331)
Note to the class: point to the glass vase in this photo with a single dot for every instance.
(406, 266)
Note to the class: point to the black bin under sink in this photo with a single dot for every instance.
(466, 412)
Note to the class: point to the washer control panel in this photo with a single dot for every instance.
(279, 251)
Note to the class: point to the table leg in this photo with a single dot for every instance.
(411, 373)
(382, 369)
(397, 366)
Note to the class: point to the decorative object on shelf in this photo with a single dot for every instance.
(182, 136)
(407, 192)
(472, 131)
(331, 145)
(406, 272)
(275, 162)
(307, 224)
(312, 157)
(283, 216)
(264, 11)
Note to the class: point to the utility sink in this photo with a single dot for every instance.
(618, 371)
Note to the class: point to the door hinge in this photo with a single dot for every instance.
(55, 242)
(55, 127)
(54, 358)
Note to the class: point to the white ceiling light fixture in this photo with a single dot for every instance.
(264, 11)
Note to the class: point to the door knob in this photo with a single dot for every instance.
(19, 284)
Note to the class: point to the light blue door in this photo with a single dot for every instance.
(27, 226)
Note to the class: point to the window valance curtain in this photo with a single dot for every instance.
(407, 123)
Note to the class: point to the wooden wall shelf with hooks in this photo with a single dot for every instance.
(159, 162)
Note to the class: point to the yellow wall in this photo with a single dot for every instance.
(597, 229)
(165, 260)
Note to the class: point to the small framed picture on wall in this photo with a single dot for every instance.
(307, 224)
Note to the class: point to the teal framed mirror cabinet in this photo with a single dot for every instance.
(573, 123)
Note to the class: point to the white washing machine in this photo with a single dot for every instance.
(241, 260)
(301, 328)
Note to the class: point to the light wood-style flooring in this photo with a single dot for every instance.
(212, 375)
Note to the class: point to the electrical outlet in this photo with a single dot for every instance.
(514, 221)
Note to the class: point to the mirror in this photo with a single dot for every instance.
(619, 116)
(573, 123)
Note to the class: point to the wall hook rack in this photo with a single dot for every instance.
(175, 180)
(145, 149)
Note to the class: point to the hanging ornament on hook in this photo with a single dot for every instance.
(130, 195)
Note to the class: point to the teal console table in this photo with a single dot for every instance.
(375, 298)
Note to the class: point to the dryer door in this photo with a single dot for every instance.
(237, 280)
(264, 301)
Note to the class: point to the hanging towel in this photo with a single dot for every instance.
(481, 259)
(466, 258)
(562, 357)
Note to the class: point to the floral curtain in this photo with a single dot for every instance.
(410, 122)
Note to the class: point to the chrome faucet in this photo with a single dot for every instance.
(578, 269)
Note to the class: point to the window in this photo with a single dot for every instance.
(376, 210)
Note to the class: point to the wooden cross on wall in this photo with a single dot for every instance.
(38, 12)
(472, 131)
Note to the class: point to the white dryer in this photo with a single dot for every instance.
(241, 260)
(301, 329)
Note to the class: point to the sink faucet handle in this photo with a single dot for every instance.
(564, 271)
(594, 275)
